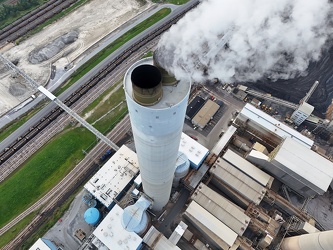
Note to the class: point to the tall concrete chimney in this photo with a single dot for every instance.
(157, 113)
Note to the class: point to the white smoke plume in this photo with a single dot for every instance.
(246, 40)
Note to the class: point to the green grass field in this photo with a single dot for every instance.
(51, 163)
(43, 171)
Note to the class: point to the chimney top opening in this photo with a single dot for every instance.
(146, 76)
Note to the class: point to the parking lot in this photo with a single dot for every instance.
(209, 135)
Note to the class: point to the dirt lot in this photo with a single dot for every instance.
(92, 22)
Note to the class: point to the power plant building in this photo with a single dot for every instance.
(157, 113)
(224, 210)
(217, 232)
(302, 113)
(248, 168)
(268, 127)
(114, 176)
(195, 152)
(205, 114)
(194, 106)
(226, 174)
(302, 169)
(110, 234)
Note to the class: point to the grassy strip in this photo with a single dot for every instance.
(112, 108)
(58, 213)
(99, 99)
(148, 54)
(42, 172)
(115, 45)
(12, 126)
(178, 2)
(50, 164)
(13, 232)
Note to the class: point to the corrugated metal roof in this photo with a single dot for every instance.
(306, 108)
(210, 237)
(237, 180)
(221, 208)
(224, 140)
(299, 160)
(205, 114)
(178, 233)
(157, 241)
(273, 125)
(248, 168)
(212, 223)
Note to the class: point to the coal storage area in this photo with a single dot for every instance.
(295, 89)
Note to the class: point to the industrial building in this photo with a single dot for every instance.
(302, 113)
(265, 127)
(194, 106)
(297, 166)
(205, 114)
(110, 234)
(43, 244)
(233, 197)
(195, 152)
(108, 183)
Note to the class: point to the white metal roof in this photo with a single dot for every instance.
(223, 209)
(224, 140)
(248, 168)
(211, 223)
(194, 151)
(273, 125)
(113, 177)
(41, 245)
(112, 234)
(178, 233)
(157, 240)
(238, 181)
(306, 108)
(305, 163)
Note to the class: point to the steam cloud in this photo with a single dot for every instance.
(246, 40)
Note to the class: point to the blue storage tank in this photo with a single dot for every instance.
(92, 216)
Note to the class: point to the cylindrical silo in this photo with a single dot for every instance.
(182, 168)
(92, 216)
(157, 115)
(318, 241)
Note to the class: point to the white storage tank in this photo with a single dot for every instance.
(157, 114)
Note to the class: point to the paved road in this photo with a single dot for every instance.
(7, 118)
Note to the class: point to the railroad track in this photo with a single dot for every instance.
(34, 18)
(49, 201)
(45, 135)
(22, 140)
(93, 156)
